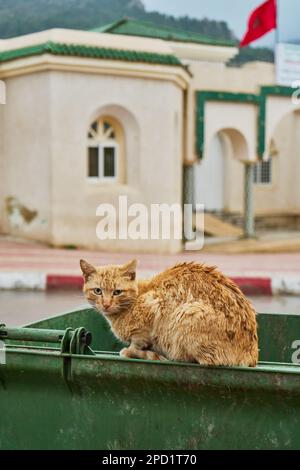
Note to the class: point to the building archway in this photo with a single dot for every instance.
(281, 194)
(219, 176)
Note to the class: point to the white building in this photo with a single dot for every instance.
(90, 116)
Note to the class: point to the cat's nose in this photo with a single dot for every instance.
(106, 304)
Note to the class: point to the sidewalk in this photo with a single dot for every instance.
(34, 266)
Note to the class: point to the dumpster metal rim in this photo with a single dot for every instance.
(80, 372)
(270, 367)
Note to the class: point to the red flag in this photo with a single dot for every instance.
(262, 20)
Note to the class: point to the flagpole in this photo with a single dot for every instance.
(277, 41)
(277, 38)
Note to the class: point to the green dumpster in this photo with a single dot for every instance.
(64, 386)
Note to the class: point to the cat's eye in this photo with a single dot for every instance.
(117, 292)
(98, 291)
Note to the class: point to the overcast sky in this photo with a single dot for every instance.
(235, 12)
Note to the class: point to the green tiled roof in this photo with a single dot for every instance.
(89, 51)
(132, 27)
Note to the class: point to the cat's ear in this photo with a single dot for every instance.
(129, 270)
(87, 269)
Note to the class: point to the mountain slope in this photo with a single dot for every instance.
(19, 17)
(25, 16)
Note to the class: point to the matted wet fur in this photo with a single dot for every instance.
(190, 312)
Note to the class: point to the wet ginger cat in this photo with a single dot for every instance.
(190, 312)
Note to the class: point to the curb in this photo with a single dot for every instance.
(63, 282)
(254, 285)
(250, 286)
(267, 286)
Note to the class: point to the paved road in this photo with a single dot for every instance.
(22, 257)
(21, 308)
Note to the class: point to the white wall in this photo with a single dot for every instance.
(150, 112)
(2, 167)
(283, 194)
(219, 176)
(25, 156)
(218, 77)
(209, 177)
(44, 153)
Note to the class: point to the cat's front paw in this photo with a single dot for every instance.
(152, 356)
(125, 352)
(133, 353)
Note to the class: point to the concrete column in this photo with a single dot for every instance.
(188, 185)
(188, 196)
(249, 229)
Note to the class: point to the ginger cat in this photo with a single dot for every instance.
(190, 312)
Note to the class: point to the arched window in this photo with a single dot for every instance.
(103, 150)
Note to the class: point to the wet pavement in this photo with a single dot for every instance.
(21, 308)
(24, 257)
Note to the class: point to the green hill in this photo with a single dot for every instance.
(19, 17)
(25, 16)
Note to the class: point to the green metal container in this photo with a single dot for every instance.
(59, 391)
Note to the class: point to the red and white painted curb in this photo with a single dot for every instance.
(267, 285)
